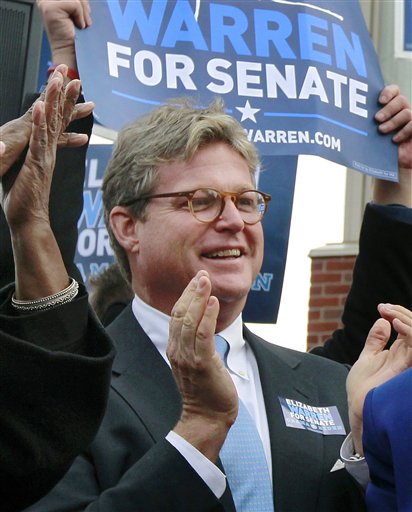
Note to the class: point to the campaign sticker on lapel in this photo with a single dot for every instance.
(322, 420)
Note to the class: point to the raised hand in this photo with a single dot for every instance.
(15, 135)
(50, 116)
(40, 270)
(209, 396)
(376, 365)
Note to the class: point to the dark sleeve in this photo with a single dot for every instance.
(66, 203)
(160, 481)
(54, 382)
(382, 273)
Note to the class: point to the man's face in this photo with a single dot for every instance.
(173, 245)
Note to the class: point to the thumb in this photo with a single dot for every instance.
(377, 338)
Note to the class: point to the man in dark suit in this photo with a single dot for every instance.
(162, 239)
(159, 444)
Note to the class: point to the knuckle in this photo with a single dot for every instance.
(178, 312)
(188, 320)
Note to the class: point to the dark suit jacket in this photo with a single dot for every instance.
(130, 466)
(387, 440)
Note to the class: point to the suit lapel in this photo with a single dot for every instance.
(142, 377)
(292, 450)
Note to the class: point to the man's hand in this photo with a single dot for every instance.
(60, 17)
(396, 116)
(15, 135)
(376, 365)
(209, 397)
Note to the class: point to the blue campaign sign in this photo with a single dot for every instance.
(302, 77)
(93, 252)
(277, 178)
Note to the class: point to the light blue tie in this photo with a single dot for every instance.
(244, 459)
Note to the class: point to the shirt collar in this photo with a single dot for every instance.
(154, 323)
(156, 326)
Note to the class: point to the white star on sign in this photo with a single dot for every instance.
(248, 112)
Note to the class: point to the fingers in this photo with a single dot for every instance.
(14, 136)
(404, 329)
(388, 93)
(392, 311)
(377, 338)
(191, 321)
(61, 69)
(401, 319)
(82, 110)
(38, 139)
(87, 14)
(72, 140)
(59, 10)
(82, 14)
(177, 315)
(188, 316)
(395, 105)
(205, 344)
(400, 120)
(396, 114)
(53, 103)
(72, 93)
(61, 107)
(71, 110)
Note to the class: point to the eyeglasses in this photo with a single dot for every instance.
(207, 204)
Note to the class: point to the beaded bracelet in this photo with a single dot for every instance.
(62, 297)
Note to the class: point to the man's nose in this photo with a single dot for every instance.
(230, 218)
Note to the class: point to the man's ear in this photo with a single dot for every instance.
(125, 228)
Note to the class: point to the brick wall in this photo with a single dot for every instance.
(331, 278)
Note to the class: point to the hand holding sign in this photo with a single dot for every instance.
(396, 117)
(60, 19)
